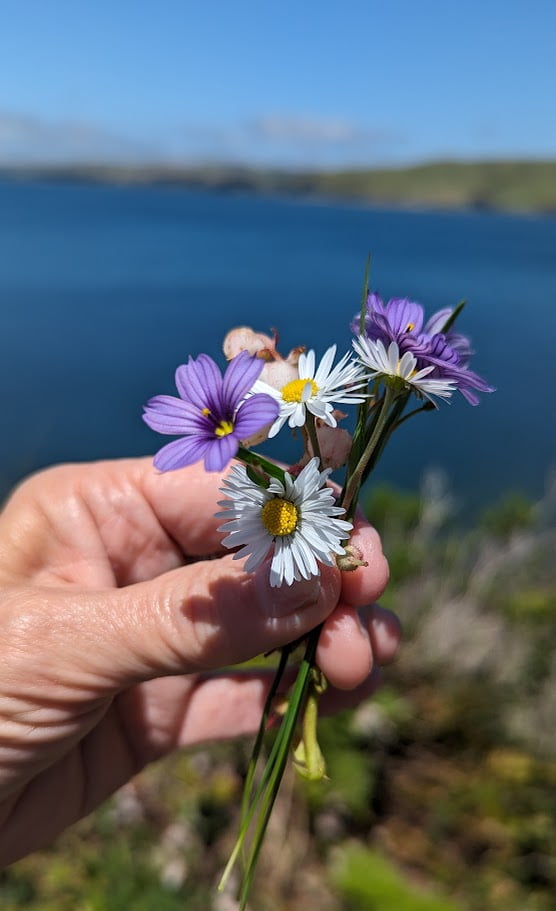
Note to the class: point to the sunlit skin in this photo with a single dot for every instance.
(115, 627)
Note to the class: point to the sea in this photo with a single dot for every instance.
(105, 289)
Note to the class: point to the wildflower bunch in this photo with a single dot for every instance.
(292, 518)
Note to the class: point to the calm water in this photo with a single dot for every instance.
(104, 290)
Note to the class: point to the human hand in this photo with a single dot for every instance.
(114, 624)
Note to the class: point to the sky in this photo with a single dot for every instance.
(292, 84)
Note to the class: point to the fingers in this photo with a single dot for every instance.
(173, 712)
(366, 583)
(203, 616)
(230, 706)
(354, 641)
(185, 503)
(213, 614)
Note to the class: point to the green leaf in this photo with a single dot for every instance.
(256, 476)
(364, 295)
(453, 316)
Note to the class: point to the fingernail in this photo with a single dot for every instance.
(285, 599)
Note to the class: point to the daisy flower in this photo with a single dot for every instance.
(213, 413)
(401, 371)
(295, 521)
(315, 390)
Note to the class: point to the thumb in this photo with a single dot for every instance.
(212, 614)
(203, 616)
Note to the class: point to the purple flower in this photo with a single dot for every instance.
(449, 357)
(401, 320)
(212, 414)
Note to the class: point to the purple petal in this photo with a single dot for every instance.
(375, 303)
(404, 315)
(437, 321)
(257, 411)
(242, 372)
(200, 382)
(220, 452)
(189, 387)
(470, 396)
(168, 414)
(180, 453)
(211, 378)
(461, 344)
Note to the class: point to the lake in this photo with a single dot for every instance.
(106, 289)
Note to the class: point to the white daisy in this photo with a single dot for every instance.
(296, 522)
(315, 391)
(385, 363)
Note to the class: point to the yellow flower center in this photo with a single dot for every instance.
(206, 412)
(224, 428)
(279, 517)
(292, 392)
(410, 327)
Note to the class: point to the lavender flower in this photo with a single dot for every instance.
(401, 320)
(212, 414)
(448, 355)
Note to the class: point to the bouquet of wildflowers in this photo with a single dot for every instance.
(292, 519)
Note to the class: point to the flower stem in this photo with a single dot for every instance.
(259, 461)
(249, 778)
(313, 436)
(354, 483)
(258, 805)
(285, 736)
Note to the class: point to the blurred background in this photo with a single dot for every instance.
(170, 171)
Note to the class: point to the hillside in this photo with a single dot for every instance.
(513, 186)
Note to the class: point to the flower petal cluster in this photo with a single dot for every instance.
(277, 370)
(315, 389)
(297, 522)
(447, 353)
(401, 369)
(213, 413)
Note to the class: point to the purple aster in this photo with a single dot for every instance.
(212, 414)
(449, 357)
(401, 320)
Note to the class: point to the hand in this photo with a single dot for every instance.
(116, 612)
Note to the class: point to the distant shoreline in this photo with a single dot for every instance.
(518, 187)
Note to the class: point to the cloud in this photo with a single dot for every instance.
(26, 139)
(293, 129)
(271, 140)
(291, 140)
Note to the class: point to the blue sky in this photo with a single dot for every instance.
(291, 84)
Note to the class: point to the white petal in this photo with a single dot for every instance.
(325, 366)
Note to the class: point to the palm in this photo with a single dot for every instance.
(97, 529)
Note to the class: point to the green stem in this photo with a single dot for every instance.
(286, 734)
(364, 295)
(391, 424)
(263, 799)
(352, 488)
(259, 461)
(313, 437)
(249, 778)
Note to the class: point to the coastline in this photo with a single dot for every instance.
(519, 188)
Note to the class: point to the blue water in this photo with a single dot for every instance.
(104, 290)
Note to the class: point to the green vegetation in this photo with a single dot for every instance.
(442, 789)
(509, 186)
(514, 186)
